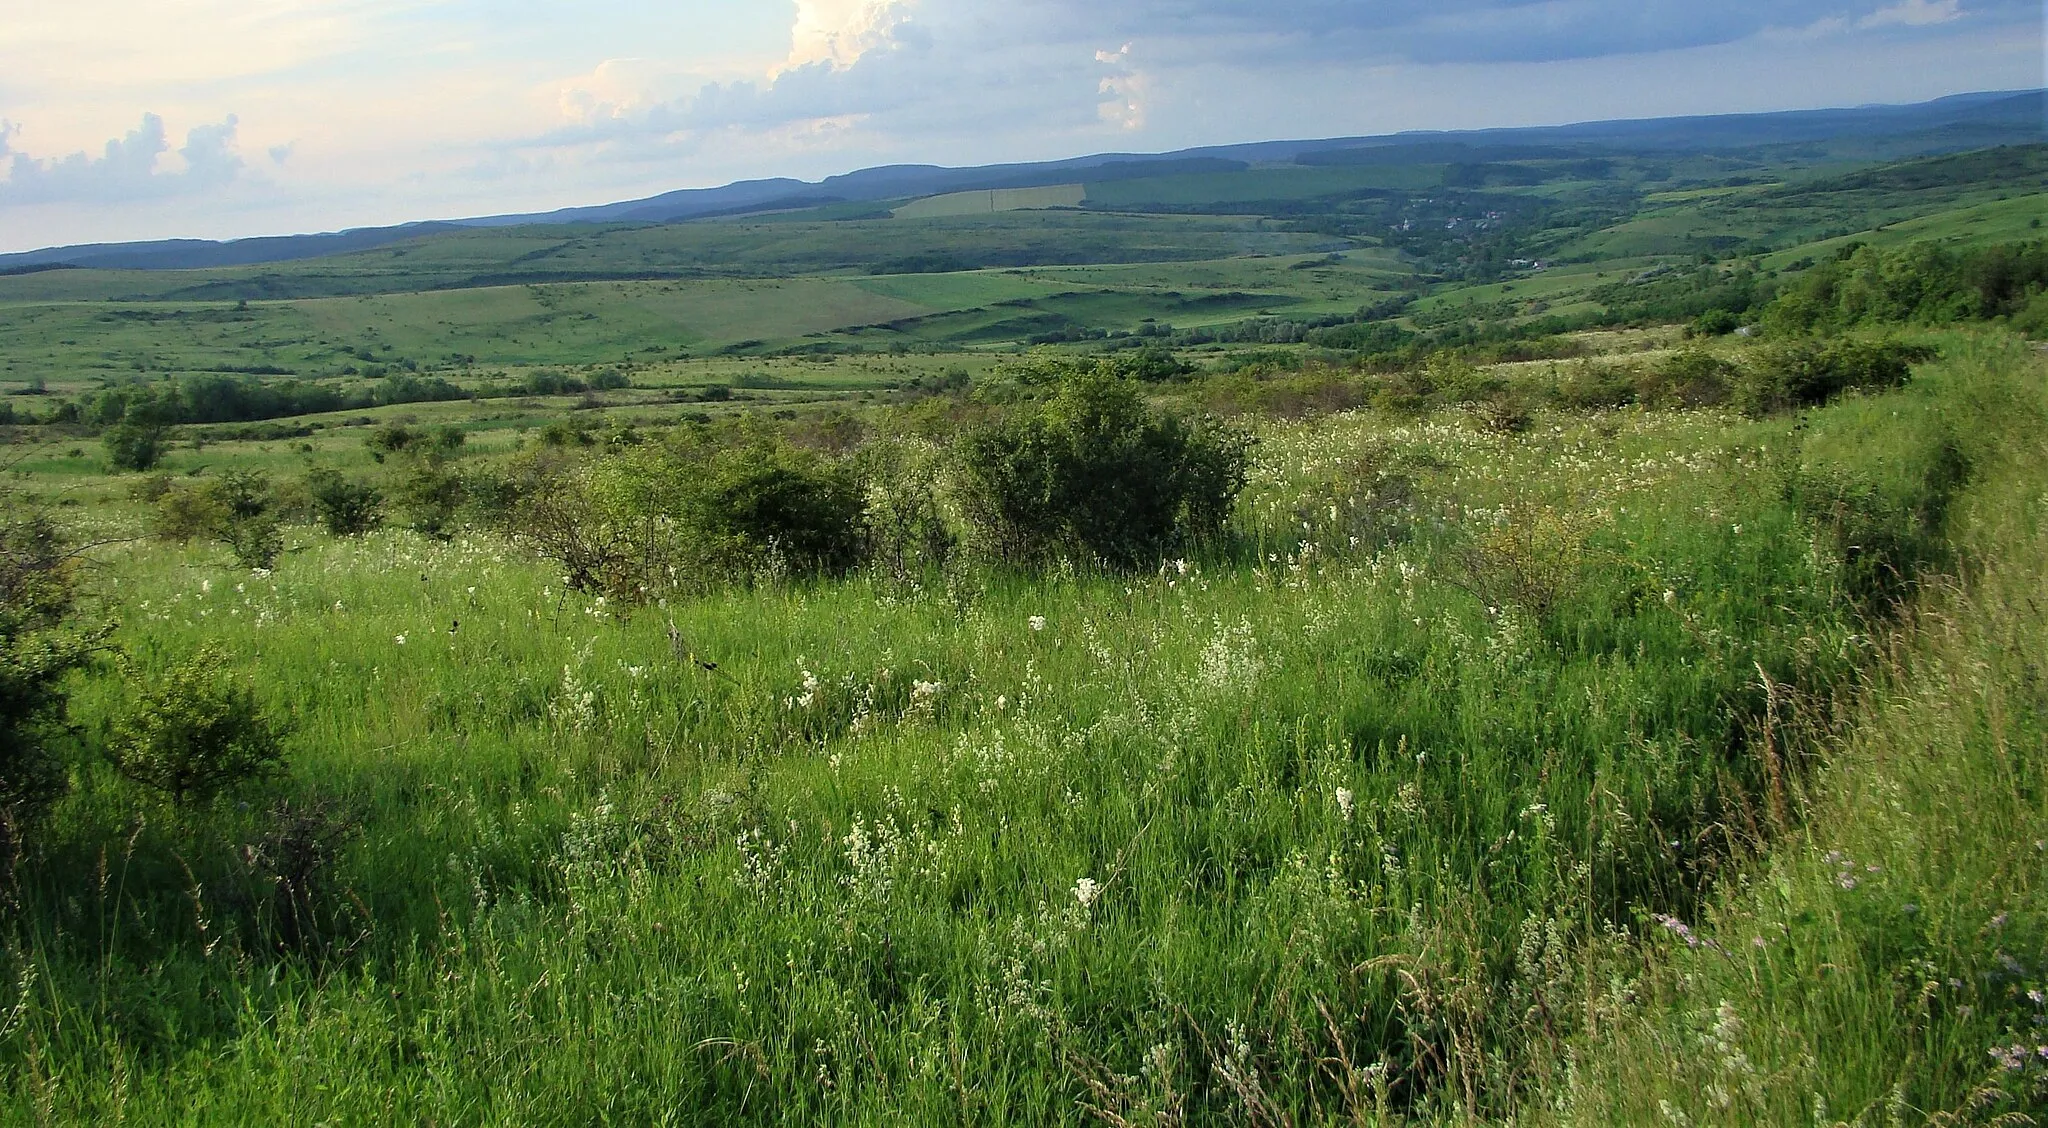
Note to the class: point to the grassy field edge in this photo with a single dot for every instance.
(1884, 964)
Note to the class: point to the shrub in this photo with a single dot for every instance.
(347, 507)
(431, 493)
(1810, 373)
(1714, 323)
(196, 732)
(651, 519)
(771, 498)
(249, 525)
(1586, 385)
(1151, 364)
(41, 642)
(1095, 472)
(1692, 378)
(135, 444)
(184, 515)
(903, 515)
(391, 439)
(289, 868)
(1533, 557)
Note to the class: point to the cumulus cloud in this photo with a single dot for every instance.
(384, 110)
(839, 32)
(127, 169)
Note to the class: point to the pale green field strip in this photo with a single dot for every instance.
(993, 201)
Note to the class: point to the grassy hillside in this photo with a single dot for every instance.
(702, 672)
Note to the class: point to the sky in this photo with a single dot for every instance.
(141, 119)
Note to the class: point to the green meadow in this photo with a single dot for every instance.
(1205, 654)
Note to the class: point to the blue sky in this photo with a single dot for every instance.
(128, 119)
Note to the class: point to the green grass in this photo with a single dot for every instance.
(1882, 962)
(837, 877)
(1400, 805)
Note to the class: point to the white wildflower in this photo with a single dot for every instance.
(1087, 891)
(1037, 622)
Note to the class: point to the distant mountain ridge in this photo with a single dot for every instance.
(1952, 124)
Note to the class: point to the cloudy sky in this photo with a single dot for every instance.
(130, 119)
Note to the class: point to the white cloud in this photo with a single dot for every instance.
(128, 168)
(1124, 90)
(1914, 13)
(839, 32)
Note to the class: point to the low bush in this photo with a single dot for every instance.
(135, 444)
(904, 514)
(690, 515)
(183, 514)
(1807, 373)
(196, 732)
(346, 506)
(1588, 385)
(1692, 378)
(249, 525)
(1096, 473)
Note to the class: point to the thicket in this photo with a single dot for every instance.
(249, 399)
(1075, 465)
(1922, 283)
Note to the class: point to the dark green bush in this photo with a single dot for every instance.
(651, 519)
(184, 514)
(431, 493)
(1692, 378)
(347, 506)
(1808, 373)
(1587, 385)
(135, 444)
(196, 732)
(1096, 473)
(391, 439)
(1714, 323)
(798, 508)
(41, 642)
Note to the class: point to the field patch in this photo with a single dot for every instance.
(993, 201)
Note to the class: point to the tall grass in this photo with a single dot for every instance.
(1886, 964)
(1340, 828)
